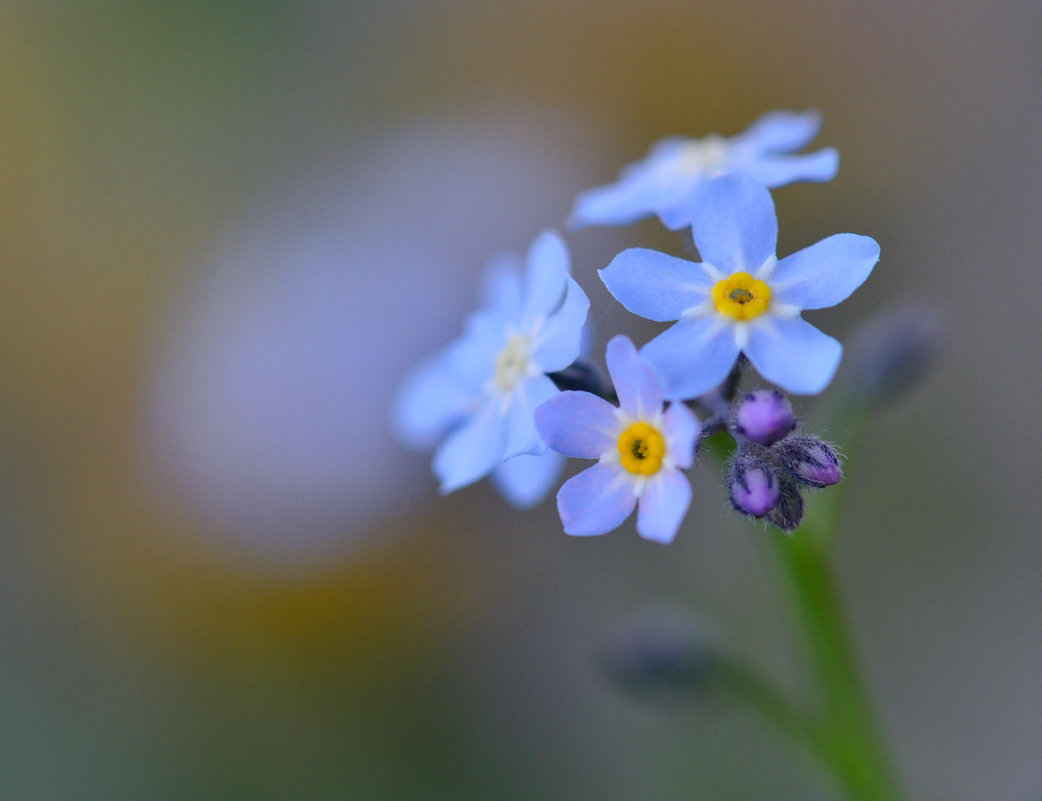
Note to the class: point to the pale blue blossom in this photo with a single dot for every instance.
(641, 451)
(477, 396)
(671, 180)
(740, 298)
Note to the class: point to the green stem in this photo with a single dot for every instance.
(850, 742)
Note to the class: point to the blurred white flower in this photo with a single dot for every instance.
(268, 402)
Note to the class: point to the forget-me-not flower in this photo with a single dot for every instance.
(432, 402)
(641, 450)
(478, 395)
(740, 298)
(671, 180)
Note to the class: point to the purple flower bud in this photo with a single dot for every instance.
(660, 653)
(894, 350)
(753, 485)
(810, 461)
(765, 416)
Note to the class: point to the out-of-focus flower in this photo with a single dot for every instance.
(275, 365)
(432, 402)
(641, 451)
(672, 178)
(482, 390)
(740, 298)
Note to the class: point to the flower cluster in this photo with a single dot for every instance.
(513, 395)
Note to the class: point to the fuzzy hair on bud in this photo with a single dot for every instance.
(810, 460)
(787, 513)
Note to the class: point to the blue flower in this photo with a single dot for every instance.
(477, 396)
(641, 450)
(672, 178)
(741, 298)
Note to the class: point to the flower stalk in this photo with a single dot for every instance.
(848, 736)
(517, 393)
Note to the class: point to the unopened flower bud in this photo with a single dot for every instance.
(894, 350)
(753, 485)
(582, 376)
(810, 461)
(787, 514)
(659, 653)
(764, 416)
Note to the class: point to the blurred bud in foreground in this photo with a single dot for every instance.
(660, 654)
(893, 351)
(765, 416)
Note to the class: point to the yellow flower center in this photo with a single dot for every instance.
(642, 448)
(741, 296)
(512, 363)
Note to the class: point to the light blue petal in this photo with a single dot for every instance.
(501, 286)
(793, 354)
(692, 357)
(681, 428)
(472, 357)
(588, 340)
(472, 450)
(429, 402)
(578, 424)
(525, 480)
(663, 505)
(596, 501)
(652, 185)
(521, 434)
(682, 205)
(825, 273)
(559, 342)
(773, 171)
(780, 131)
(637, 385)
(545, 275)
(630, 198)
(656, 286)
(736, 228)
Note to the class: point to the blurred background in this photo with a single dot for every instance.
(227, 230)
